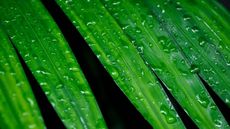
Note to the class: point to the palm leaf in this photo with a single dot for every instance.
(17, 98)
(47, 54)
(145, 46)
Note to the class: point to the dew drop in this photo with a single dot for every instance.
(73, 69)
(85, 92)
(170, 119)
(194, 69)
(59, 86)
(42, 72)
(218, 123)
(115, 74)
(186, 17)
(194, 29)
(91, 23)
(203, 99)
(201, 41)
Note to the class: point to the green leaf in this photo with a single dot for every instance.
(215, 24)
(47, 54)
(18, 107)
(161, 54)
(200, 46)
(122, 61)
(115, 29)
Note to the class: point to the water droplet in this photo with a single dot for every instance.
(91, 23)
(218, 123)
(116, 3)
(42, 72)
(194, 69)
(168, 116)
(59, 86)
(47, 92)
(178, 8)
(32, 126)
(2, 72)
(194, 29)
(201, 41)
(43, 84)
(31, 102)
(170, 119)
(140, 49)
(115, 74)
(73, 69)
(186, 17)
(85, 92)
(202, 98)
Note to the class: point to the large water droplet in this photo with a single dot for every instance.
(203, 99)
(168, 116)
(115, 74)
(218, 123)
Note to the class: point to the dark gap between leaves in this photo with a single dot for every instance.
(50, 117)
(188, 122)
(225, 3)
(220, 104)
(117, 110)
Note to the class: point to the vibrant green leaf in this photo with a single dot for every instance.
(47, 54)
(18, 107)
(156, 48)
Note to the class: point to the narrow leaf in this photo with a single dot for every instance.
(122, 61)
(48, 56)
(204, 52)
(18, 107)
(156, 48)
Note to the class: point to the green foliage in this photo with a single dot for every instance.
(137, 42)
(18, 108)
(47, 54)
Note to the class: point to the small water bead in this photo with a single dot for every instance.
(25, 114)
(91, 23)
(114, 74)
(31, 102)
(201, 41)
(43, 84)
(218, 123)
(6, 21)
(47, 92)
(74, 69)
(194, 29)
(202, 98)
(228, 63)
(59, 86)
(21, 83)
(194, 69)
(186, 17)
(116, 3)
(42, 72)
(140, 49)
(168, 116)
(227, 101)
(85, 92)
(170, 119)
(178, 7)
(32, 126)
